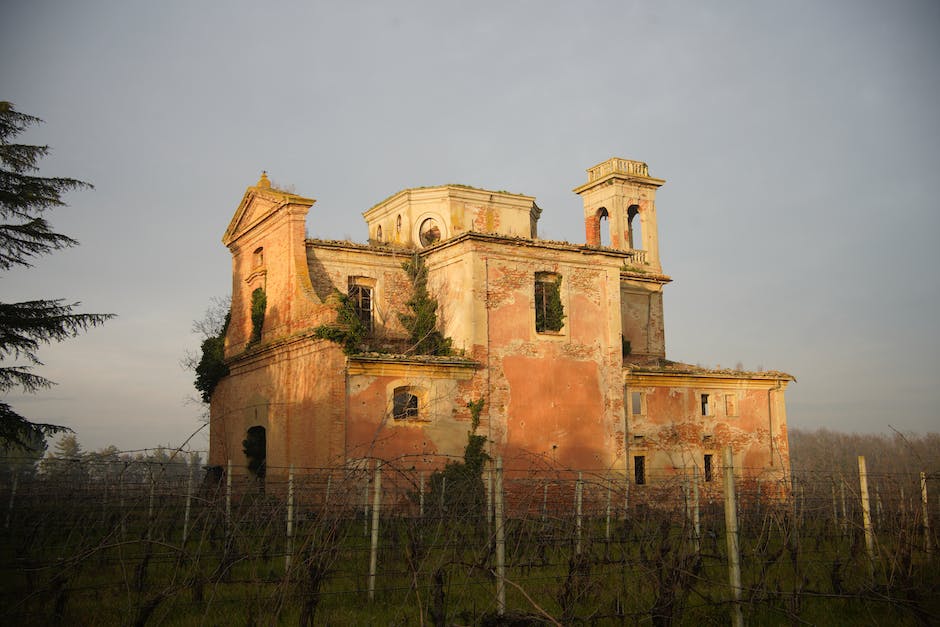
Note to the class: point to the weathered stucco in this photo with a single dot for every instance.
(562, 395)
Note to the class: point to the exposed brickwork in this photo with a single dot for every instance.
(561, 396)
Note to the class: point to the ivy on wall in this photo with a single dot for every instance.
(259, 303)
(348, 331)
(421, 320)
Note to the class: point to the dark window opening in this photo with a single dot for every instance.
(639, 469)
(254, 446)
(625, 347)
(549, 312)
(708, 468)
(378, 233)
(705, 408)
(361, 298)
(405, 405)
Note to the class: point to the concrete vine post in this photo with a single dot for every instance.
(150, 504)
(374, 549)
(607, 518)
(329, 484)
(866, 511)
(924, 501)
(500, 540)
(421, 494)
(731, 529)
(578, 488)
(545, 502)
(696, 523)
(488, 469)
(290, 519)
(228, 494)
(189, 498)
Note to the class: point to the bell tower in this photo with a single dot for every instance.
(620, 200)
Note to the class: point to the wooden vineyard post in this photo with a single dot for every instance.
(866, 510)
(924, 501)
(374, 551)
(731, 527)
(500, 540)
(290, 518)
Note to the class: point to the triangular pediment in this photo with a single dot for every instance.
(259, 202)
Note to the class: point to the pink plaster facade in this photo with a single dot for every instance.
(565, 395)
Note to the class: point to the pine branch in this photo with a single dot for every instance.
(27, 325)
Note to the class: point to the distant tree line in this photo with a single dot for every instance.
(828, 451)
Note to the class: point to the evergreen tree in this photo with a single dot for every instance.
(24, 235)
(421, 322)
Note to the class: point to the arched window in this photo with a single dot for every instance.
(405, 404)
(255, 448)
(257, 258)
(634, 228)
(398, 225)
(378, 233)
(603, 227)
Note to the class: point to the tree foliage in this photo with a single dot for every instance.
(459, 486)
(24, 235)
(209, 364)
(421, 321)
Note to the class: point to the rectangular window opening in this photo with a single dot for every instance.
(361, 298)
(705, 408)
(708, 467)
(636, 403)
(549, 311)
(639, 469)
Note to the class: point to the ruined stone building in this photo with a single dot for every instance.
(563, 341)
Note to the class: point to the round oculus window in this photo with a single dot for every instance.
(429, 232)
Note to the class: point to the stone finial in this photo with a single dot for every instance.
(263, 181)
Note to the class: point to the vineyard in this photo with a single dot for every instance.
(146, 543)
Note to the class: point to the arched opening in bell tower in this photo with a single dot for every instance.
(634, 228)
(603, 227)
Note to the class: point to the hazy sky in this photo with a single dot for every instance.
(800, 142)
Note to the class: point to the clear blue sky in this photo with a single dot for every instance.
(800, 142)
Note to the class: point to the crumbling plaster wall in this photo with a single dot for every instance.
(673, 435)
(553, 394)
